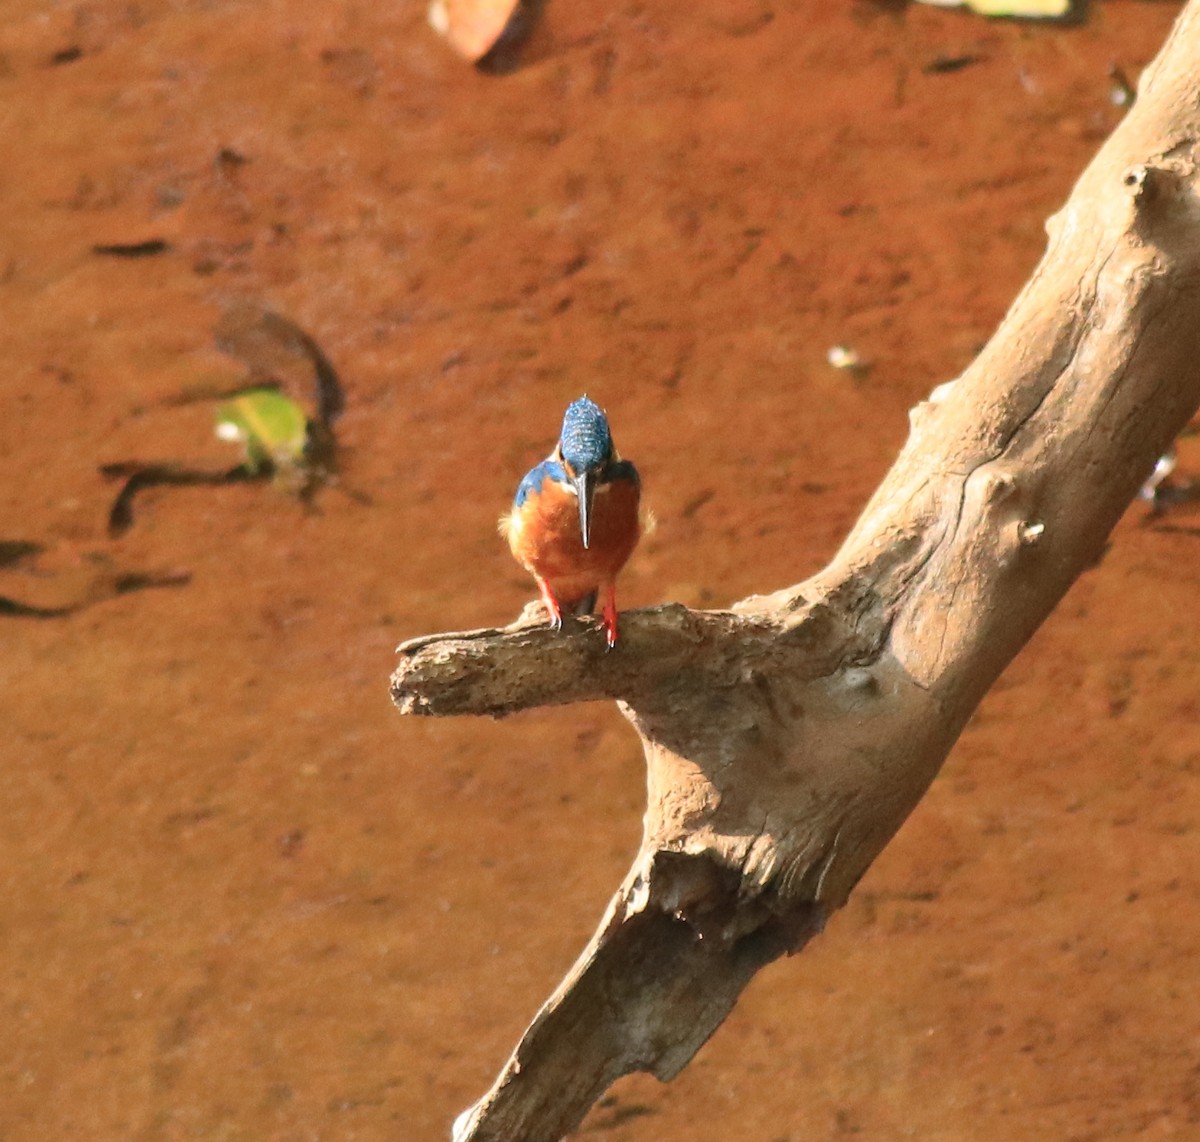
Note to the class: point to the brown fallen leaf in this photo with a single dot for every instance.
(475, 28)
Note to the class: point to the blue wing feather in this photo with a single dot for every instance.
(531, 485)
(620, 471)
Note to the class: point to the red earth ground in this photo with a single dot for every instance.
(242, 897)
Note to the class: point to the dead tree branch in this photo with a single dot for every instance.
(788, 738)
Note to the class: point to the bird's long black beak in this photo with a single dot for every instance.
(585, 489)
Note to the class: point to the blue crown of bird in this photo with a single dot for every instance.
(575, 519)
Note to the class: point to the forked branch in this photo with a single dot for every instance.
(788, 738)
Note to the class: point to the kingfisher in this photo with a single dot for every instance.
(575, 521)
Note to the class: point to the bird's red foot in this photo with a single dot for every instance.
(608, 621)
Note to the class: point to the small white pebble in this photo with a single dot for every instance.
(1162, 469)
(843, 357)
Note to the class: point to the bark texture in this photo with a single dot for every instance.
(788, 738)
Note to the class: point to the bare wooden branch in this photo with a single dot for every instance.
(788, 738)
(527, 664)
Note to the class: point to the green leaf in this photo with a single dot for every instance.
(272, 429)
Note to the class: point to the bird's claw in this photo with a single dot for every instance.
(608, 624)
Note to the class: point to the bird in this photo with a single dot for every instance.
(575, 519)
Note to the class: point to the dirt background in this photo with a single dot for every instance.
(244, 899)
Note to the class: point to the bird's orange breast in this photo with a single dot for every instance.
(543, 534)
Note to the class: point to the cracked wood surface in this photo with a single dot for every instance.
(788, 738)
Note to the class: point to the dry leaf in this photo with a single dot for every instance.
(474, 27)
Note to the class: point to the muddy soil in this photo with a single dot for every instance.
(244, 899)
